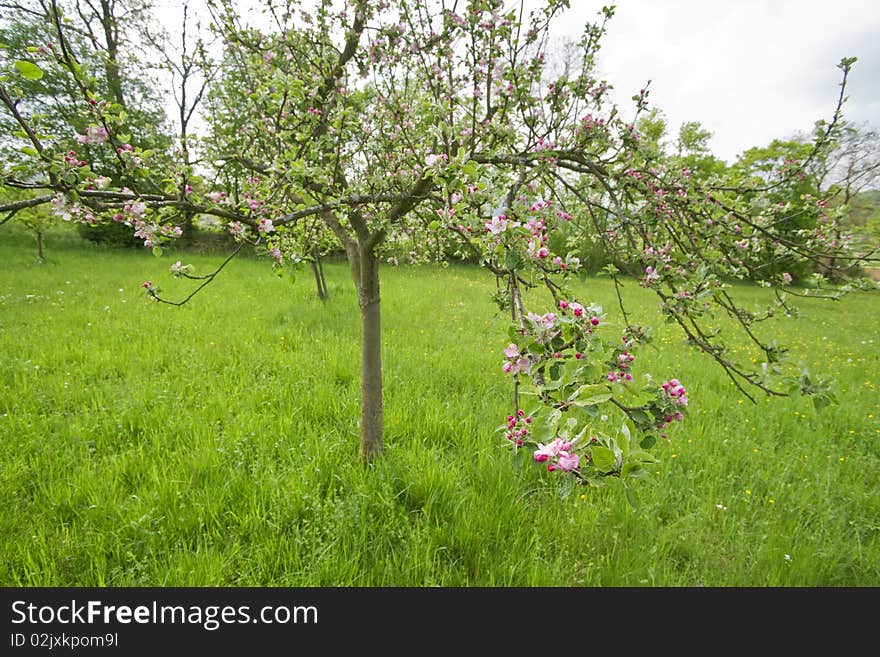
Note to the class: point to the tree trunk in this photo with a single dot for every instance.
(364, 264)
(318, 271)
(40, 257)
(371, 356)
(111, 65)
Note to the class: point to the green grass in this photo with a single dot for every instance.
(215, 444)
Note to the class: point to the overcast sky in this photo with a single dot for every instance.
(749, 71)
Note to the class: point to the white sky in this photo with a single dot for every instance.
(749, 71)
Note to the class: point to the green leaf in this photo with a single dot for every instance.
(546, 428)
(590, 395)
(632, 470)
(554, 384)
(641, 456)
(469, 169)
(626, 432)
(29, 70)
(603, 458)
(511, 260)
(434, 225)
(821, 401)
(640, 417)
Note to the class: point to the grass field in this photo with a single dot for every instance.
(215, 444)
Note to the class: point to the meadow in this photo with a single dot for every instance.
(215, 444)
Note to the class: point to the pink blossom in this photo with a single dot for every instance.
(266, 226)
(497, 225)
(147, 232)
(549, 450)
(560, 453)
(236, 229)
(512, 351)
(568, 461)
(546, 321)
(675, 392)
(136, 209)
(523, 365)
(95, 134)
(64, 210)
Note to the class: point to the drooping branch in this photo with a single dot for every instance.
(206, 280)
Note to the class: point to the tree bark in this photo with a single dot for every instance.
(40, 257)
(318, 271)
(371, 355)
(360, 249)
(111, 66)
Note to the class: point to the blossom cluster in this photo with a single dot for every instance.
(518, 427)
(95, 134)
(68, 210)
(515, 362)
(559, 454)
(675, 392)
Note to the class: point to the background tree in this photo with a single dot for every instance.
(693, 152)
(106, 37)
(780, 170)
(853, 183)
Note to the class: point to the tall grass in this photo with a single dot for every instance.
(215, 444)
